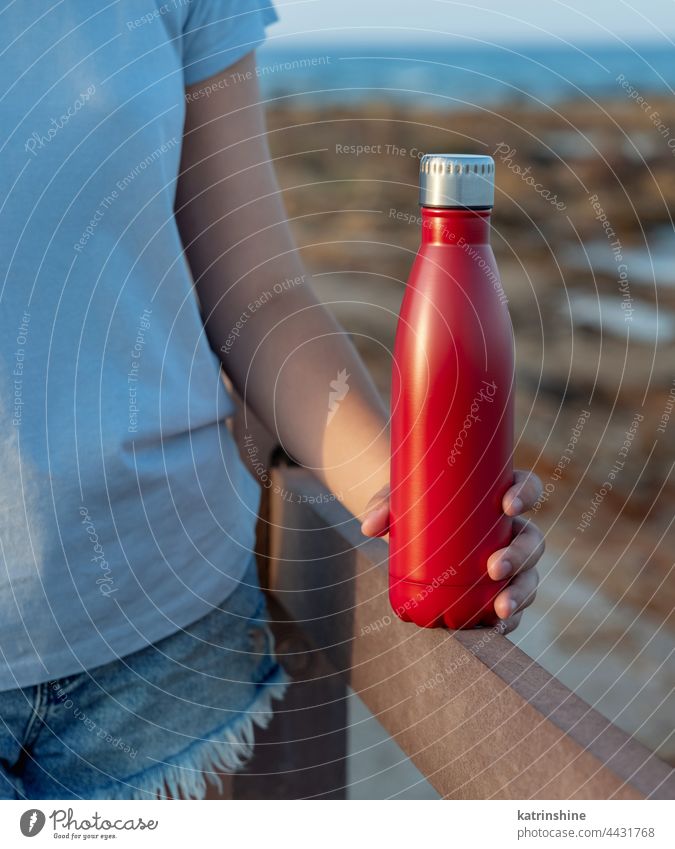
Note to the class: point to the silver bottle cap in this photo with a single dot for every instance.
(457, 180)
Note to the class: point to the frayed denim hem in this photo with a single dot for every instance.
(226, 749)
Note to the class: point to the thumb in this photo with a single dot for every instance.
(375, 522)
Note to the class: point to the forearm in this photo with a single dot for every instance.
(307, 382)
(300, 373)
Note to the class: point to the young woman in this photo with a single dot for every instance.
(139, 220)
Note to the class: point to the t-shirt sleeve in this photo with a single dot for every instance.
(217, 33)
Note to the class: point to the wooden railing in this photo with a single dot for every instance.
(478, 717)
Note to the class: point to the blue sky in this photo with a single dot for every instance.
(502, 21)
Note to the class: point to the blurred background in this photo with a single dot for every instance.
(575, 103)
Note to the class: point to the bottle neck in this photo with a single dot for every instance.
(453, 226)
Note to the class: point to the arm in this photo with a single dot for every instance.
(290, 349)
(239, 246)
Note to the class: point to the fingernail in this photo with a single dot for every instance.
(502, 569)
(512, 606)
(517, 505)
(369, 520)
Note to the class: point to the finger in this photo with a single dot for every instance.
(523, 495)
(376, 521)
(524, 551)
(511, 623)
(519, 594)
(504, 626)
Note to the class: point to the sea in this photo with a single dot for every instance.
(454, 77)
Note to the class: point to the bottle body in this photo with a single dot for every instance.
(451, 426)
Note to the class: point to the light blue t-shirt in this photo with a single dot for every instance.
(125, 512)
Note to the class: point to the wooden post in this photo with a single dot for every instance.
(302, 754)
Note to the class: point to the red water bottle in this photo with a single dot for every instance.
(452, 406)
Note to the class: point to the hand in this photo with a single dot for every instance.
(516, 561)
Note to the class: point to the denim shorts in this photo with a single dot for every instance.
(158, 723)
